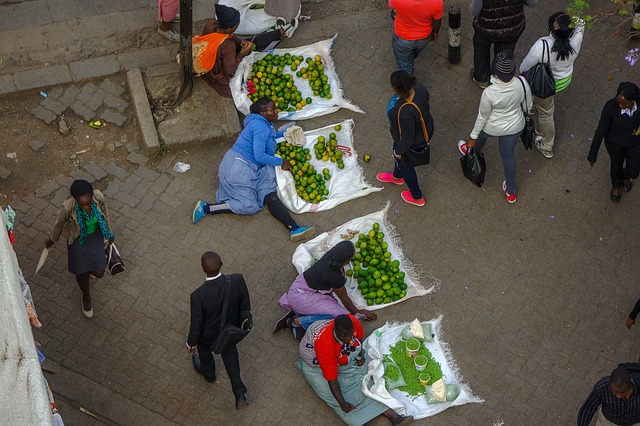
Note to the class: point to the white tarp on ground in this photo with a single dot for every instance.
(23, 395)
(307, 253)
(319, 106)
(377, 345)
(256, 21)
(345, 184)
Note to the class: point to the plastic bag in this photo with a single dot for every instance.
(452, 393)
(392, 375)
(426, 329)
(474, 167)
(180, 167)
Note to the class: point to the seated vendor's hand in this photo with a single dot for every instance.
(245, 47)
(368, 315)
(346, 407)
(360, 361)
(286, 165)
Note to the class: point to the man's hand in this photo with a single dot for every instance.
(630, 322)
(192, 351)
(48, 243)
(592, 163)
(346, 407)
(434, 36)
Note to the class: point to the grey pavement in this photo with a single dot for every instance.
(534, 295)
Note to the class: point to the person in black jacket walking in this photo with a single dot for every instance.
(206, 312)
(499, 23)
(620, 127)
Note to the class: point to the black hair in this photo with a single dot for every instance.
(260, 105)
(629, 90)
(620, 378)
(402, 81)
(343, 323)
(80, 187)
(561, 30)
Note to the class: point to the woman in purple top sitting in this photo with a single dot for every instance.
(247, 175)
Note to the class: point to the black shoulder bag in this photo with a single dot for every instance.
(413, 158)
(540, 77)
(230, 335)
(528, 134)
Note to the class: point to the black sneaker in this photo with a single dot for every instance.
(282, 322)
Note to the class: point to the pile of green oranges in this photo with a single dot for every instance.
(271, 79)
(326, 150)
(318, 80)
(310, 184)
(379, 277)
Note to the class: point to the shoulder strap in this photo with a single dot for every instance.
(225, 301)
(525, 95)
(424, 126)
(545, 49)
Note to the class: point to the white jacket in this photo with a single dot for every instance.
(499, 113)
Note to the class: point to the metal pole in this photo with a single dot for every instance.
(186, 58)
(454, 34)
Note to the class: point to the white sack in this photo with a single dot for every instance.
(306, 253)
(319, 106)
(345, 184)
(378, 344)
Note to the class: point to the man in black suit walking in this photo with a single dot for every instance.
(206, 312)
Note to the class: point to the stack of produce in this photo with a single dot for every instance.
(328, 150)
(310, 185)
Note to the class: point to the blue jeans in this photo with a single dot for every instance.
(306, 321)
(507, 147)
(406, 51)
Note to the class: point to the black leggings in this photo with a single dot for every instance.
(279, 211)
(266, 41)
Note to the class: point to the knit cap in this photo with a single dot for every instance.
(227, 16)
(504, 67)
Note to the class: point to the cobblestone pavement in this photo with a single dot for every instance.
(534, 295)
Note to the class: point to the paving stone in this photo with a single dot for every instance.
(117, 171)
(80, 174)
(36, 145)
(52, 105)
(69, 96)
(132, 147)
(113, 117)
(112, 88)
(4, 172)
(116, 103)
(95, 170)
(82, 110)
(96, 99)
(47, 188)
(43, 114)
(55, 93)
(86, 93)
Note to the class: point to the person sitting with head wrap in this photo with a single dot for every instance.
(311, 296)
(218, 52)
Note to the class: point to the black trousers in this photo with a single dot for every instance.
(266, 41)
(231, 364)
(482, 55)
(625, 163)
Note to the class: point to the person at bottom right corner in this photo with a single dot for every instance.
(619, 126)
(500, 115)
(559, 49)
(615, 398)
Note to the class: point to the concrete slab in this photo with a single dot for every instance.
(27, 14)
(202, 117)
(41, 77)
(95, 67)
(143, 111)
(6, 84)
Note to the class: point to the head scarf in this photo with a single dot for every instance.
(227, 16)
(326, 273)
(504, 67)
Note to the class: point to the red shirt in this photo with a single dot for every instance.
(414, 17)
(330, 353)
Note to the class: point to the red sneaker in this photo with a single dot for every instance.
(406, 196)
(389, 178)
(462, 147)
(511, 198)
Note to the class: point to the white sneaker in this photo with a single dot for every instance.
(170, 35)
(546, 153)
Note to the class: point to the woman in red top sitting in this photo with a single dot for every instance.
(334, 364)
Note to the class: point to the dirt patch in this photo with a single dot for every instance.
(31, 166)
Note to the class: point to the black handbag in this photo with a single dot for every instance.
(230, 335)
(528, 134)
(474, 167)
(413, 158)
(114, 261)
(540, 77)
